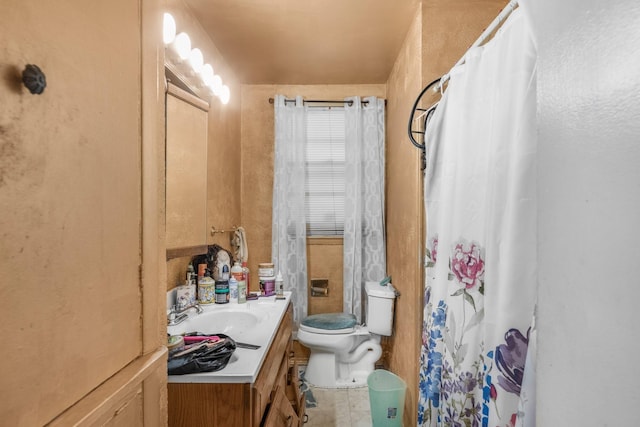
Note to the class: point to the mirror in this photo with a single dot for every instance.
(186, 173)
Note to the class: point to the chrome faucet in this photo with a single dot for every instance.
(174, 318)
(183, 308)
(178, 313)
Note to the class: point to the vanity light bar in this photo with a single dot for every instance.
(190, 61)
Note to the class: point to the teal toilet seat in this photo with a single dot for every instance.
(330, 321)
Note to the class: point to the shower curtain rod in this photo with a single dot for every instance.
(324, 101)
(502, 16)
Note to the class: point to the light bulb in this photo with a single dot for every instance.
(216, 85)
(225, 94)
(206, 74)
(196, 60)
(182, 45)
(168, 28)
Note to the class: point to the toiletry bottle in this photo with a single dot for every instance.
(242, 292)
(245, 270)
(190, 272)
(279, 286)
(191, 282)
(202, 269)
(233, 289)
(236, 271)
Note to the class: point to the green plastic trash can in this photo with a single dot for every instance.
(386, 395)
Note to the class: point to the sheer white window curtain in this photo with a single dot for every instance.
(364, 236)
(356, 188)
(288, 241)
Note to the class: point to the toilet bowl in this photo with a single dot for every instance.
(343, 353)
(342, 359)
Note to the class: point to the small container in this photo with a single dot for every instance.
(233, 289)
(267, 285)
(225, 272)
(222, 285)
(279, 286)
(193, 292)
(185, 295)
(175, 342)
(236, 271)
(222, 298)
(246, 274)
(242, 292)
(221, 291)
(202, 269)
(266, 269)
(191, 282)
(206, 290)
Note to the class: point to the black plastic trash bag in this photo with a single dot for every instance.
(206, 356)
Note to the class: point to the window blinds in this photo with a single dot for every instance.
(324, 201)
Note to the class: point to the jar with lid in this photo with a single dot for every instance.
(266, 269)
(267, 285)
(206, 290)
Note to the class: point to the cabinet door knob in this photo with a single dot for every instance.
(34, 79)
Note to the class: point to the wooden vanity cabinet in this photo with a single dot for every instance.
(288, 406)
(262, 403)
(281, 413)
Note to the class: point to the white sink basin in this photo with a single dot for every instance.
(231, 322)
(255, 322)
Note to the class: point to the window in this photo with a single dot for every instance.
(324, 197)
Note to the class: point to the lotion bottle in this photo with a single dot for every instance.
(279, 286)
(245, 270)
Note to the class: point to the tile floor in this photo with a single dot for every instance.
(340, 408)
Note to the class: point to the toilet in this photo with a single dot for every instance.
(343, 353)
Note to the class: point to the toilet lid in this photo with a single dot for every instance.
(331, 321)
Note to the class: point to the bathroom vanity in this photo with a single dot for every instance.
(257, 387)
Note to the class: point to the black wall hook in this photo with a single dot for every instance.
(428, 112)
(34, 79)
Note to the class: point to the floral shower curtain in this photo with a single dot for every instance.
(480, 199)
(289, 227)
(364, 240)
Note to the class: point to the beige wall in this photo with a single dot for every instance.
(71, 186)
(403, 205)
(449, 28)
(325, 261)
(257, 134)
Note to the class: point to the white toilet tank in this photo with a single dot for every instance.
(380, 301)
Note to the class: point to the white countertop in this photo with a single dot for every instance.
(255, 322)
